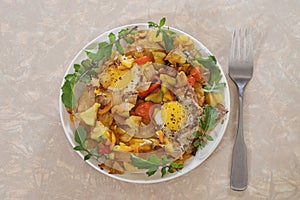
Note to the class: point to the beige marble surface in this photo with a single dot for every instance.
(38, 40)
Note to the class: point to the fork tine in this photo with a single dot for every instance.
(241, 45)
(246, 41)
(238, 39)
(250, 47)
(233, 46)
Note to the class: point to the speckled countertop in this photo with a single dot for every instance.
(38, 40)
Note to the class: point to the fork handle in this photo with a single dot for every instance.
(239, 171)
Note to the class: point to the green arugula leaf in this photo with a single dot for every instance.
(91, 73)
(210, 116)
(85, 144)
(154, 159)
(86, 64)
(79, 148)
(151, 171)
(129, 40)
(158, 32)
(171, 170)
(99, 55)
(165, 160)
(208, 137)
(68, 98)
(177, 165)
(81, 70)
(123, 32)
(214, 88)
(210, 63)
(80, 135)
(162, 22)
(95, 56)
(87, 156)
(152, 25)
(200, 143)
(196, 143)
(140, 163)
(197, 134)
(70, 77)
(168, 41)
(107, 51)
(104, 50)
(76, 67)
(203, 144)
(102, 45)
(119, 48)
(133, 31)
(85, 78)
(112, 37)
(163, 171)
(180, 166)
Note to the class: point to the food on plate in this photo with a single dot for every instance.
(149, 100)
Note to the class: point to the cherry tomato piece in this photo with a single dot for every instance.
(143, 109)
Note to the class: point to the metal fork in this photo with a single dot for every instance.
(240, 71)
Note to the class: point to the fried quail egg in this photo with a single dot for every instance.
(172, 115)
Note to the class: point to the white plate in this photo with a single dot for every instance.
(190, 164)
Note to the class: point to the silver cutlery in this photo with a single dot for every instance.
(240, 71)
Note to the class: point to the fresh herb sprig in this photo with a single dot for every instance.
(167, 34)
(206, 123)
(80, 138)
(85, 71)
(105, 48)
(153, 163)
(213, 84)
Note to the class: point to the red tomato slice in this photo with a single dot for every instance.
(195, 73)
(142, 60)
(143, 109)
(191, 80)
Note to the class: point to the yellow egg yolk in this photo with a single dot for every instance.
(173, 115)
